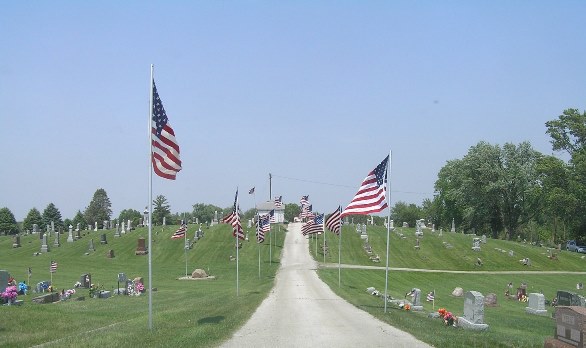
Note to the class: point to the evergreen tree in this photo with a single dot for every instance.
(79, 219)
(7, 222)
(51, 213)
(33, 217)
(161, 210)
(99, 208)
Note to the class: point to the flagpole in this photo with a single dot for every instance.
(236, 234)
(50, 271)
(388, 188)
(258, 242)
(185, 248)
(340, 248)
(324, 232)
(150, 250)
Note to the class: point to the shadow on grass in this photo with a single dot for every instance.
(211, 320)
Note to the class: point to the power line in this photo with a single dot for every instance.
(339, 185)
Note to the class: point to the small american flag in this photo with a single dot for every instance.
(279, 201)
(431, 296)
(251, 191)
(334, 222)
(371, 195)
(263, 226)
(306, 212)
(234, 219)
(165, 150)
(272, 219)
(53, 267)
(180, 233)
(314, 225)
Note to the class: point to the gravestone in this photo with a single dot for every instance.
(453, 226)
(129, 226)
(458, 292)
(433, 228)
(105, 225)
(249, 225)
(140, 248)
(71, 229)
(70, 236)
(473, 318)
(511, 253)
(16, 241)
(89, 228)
(164, 221)
(47, 298)
(571, 325)
(483, 239)
(536, 304)
(476, 244)
(44, 246)
(78, 227)
(197, 220)
(77, 235)
(95, 226)
(57, 241)
(91, 246)
(490, 300)
(123, 231)
(405, 224)
(117, 233)
(4, 275)
(441, 232)
(35, 228)
(110, 254)
(416, 299)
(392, 224)
(86, 280)
(568, 298)
(103, 239)
(52, 226)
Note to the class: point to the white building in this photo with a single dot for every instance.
(264, 208)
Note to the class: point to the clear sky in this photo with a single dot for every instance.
(313, 90)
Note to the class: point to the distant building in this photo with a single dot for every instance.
(264, 208)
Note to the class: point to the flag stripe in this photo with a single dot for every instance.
(180, 233)
(333, 222)
(165, 149)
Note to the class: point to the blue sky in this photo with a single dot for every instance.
(319, 91)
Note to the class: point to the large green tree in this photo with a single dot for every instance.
(205, 212)
(403, 212)
(52, 214)
(7, 222)
(292, 211)
(33, 217)
(161, 210)
(99, 209)
(130, 214)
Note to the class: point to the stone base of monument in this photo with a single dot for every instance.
(468, 325)
(535, 311)
(47, 298)
(141, 252)
(555, 343)
(417, 308)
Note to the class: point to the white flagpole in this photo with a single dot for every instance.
(150, 250)
(388, 188)
(324, 232)
(270, 243)
(257, 242)
(236, 234)
(340, 248)
(185, 246)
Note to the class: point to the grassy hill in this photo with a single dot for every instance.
(194, 313)
(510, 326)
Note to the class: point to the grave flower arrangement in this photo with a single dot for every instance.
(22, 288)
(138, 287)
(448, 318)
(9, 294)
(66, 294)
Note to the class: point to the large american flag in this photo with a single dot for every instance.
(234, 219)
(165, 150)
(334, 222)
(279, 201)
(304, 200)
(314, 225)
(263, 226)
(371, 195)
(180, 233)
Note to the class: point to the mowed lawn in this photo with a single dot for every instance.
(185, 313)
(509, 325)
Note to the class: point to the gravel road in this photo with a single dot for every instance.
(302, 311)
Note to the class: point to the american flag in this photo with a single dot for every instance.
(306, 212)
(371, 195)
(272, 217)
(234, 219)
(279, 201)
(263, 226)
(180, 233)
(431, 296)
(304, 200)
(334, 222)
(314, 225)
(53, 267)
(166, 162)
(251, 191)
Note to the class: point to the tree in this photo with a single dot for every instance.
(7, 222)
(99, 208)
(33, 217)
(206, 212)
(292, 211)
(568, 132)
(130, 214)
(161, 210)
(52, 214)
(79, 219)
(403, 212)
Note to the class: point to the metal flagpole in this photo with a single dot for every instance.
(316, 238)
(50, 271)
(236, 234)
(340, 247)
(388, 188)
(150, 250)
(324, 247)
(185, 248)
(258, 242)
(270, 243)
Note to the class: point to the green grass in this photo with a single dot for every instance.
(185, 313)
(509, 325)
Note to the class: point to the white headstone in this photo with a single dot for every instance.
(164, 221)
(123, 229)
(70, 236)
(128, 226)
(78, 227)
(95, 226)
(44, 246)
(536, 304)
(57, 241)
(52, 226)
(453, 226)
(474, 307)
